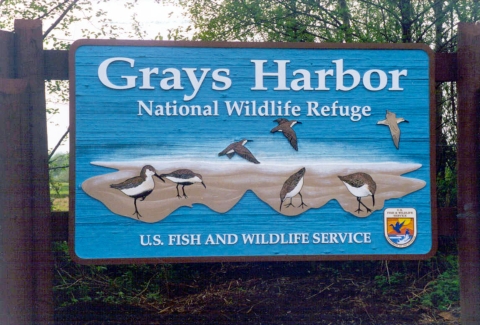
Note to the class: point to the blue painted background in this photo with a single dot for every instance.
(109, 129)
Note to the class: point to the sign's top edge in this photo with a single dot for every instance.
(273, 45)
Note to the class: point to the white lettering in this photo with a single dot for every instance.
(225, 80)
(281, 74)
(194, 81)
(340, 76)
(396, 79)
(367, 82)
(102, 74)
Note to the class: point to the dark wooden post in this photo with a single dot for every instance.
(26, 264)
(469, 170)
(16, 289)
(30, 65)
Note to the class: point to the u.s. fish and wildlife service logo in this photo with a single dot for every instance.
(400, 226)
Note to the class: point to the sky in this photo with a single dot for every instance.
(154, 19)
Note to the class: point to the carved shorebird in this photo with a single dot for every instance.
(286, 127)
(392, 122)
(292, 186)
(360, 185)
(138, 187)
(184, 177)
(239, 149)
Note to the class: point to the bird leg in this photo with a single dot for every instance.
(136, 210)
(359, 199)
(289, 204)
(183, 189)
(301, 198)
(178, 193)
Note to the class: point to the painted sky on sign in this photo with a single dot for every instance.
(319, 137)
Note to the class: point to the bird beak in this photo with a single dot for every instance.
(298, 122)
(160, 177)
(373, 199)
(204, 185)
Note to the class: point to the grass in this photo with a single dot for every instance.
(59, 189)
(59, 196)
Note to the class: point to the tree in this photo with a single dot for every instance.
(325, 20)
(61, 19)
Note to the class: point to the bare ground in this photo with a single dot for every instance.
(279, 293)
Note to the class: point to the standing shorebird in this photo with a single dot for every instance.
(239, 149)
(292, 186)
(286, 127)
(138, 187)
(360, 185)
(184, 177)
(392, 122)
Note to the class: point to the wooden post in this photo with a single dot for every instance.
(30, 65)
(468, 158)
(16, 245)
(26, 263)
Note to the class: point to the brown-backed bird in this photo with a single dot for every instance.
(184, 177)
(138, 187)
(286, 127)
(239, 149)
(292, 186)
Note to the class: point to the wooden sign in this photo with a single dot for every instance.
(190, 151)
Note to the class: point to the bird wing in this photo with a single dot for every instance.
(181, 173)
(245, 154)
(291, 183)
(277, 128)
(129, 183)
(395, 131)
(292, 137)
(227, 149)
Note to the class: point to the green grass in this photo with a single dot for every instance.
(58, 190)
(59, 196)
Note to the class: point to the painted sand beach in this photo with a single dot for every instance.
(227, 181)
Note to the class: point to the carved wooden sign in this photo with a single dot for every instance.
(190, 151)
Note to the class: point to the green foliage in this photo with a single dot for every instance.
(447, 188)
(389, 283)
(58, 181)
(124, 284)
(423, 21)
(58, 167)
(444, 290)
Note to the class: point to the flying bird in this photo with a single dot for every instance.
(184, 177)
(286, 127)
(398, 226)
(138, 187)
(392, 122)
(292, 186)
(239, 149)
(360, 185)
